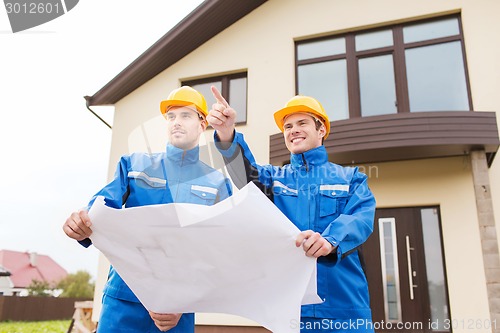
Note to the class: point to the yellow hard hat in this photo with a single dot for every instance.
(185, 96)
(302, 104)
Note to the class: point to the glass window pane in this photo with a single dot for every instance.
(320, 48)
(204, 89)
(327, 82)
(238, 98)
(436, 78)
(377, 87)
(374, 40)
(390, 269)
(434, 266)
(431, 30)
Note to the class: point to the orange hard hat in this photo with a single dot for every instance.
(185, 96)
(302, 104)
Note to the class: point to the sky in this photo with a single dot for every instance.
(55, 153)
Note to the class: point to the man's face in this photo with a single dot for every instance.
(184, 127)
(300, 133)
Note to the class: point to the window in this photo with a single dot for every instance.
(390, 269)
(413, 67)
(322, 73)
(233, 88)
(434, 266)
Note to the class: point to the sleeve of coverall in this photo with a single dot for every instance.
(115, 192)
(241, 164)
(225, 190)
(355, 223)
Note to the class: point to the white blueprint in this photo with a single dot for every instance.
(236, 257)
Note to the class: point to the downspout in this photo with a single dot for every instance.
(87, 102)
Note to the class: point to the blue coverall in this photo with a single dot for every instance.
(147, 179)
(336, 202)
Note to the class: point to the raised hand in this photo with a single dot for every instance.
(222, 117)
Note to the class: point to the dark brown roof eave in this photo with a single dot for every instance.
(4, 272)
(204, 22)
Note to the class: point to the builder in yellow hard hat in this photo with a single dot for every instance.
(302, 106)
(185, 110)
(175, 175)
(331, 205)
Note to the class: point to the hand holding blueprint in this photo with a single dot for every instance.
(236, 257)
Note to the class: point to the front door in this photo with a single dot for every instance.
(405, 269)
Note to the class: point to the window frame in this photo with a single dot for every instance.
(225, 91)
(397, 50)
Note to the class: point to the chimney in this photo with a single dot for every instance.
(33, 259)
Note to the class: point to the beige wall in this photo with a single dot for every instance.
(262, 43)
(481, 26)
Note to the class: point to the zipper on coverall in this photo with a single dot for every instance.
(310, 203)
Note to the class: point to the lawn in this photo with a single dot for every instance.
(52, 326)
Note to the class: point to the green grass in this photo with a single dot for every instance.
(52, 326)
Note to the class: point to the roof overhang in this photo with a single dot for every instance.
(206, 21)
(4, 272)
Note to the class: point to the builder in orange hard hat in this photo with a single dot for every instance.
(176, 175)
(330, 204)
(297, 108)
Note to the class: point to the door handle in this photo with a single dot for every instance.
(411, 273)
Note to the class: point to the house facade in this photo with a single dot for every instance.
(5, 281)
(411, 92)
(19, 269)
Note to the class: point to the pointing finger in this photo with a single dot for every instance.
(218, 97)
